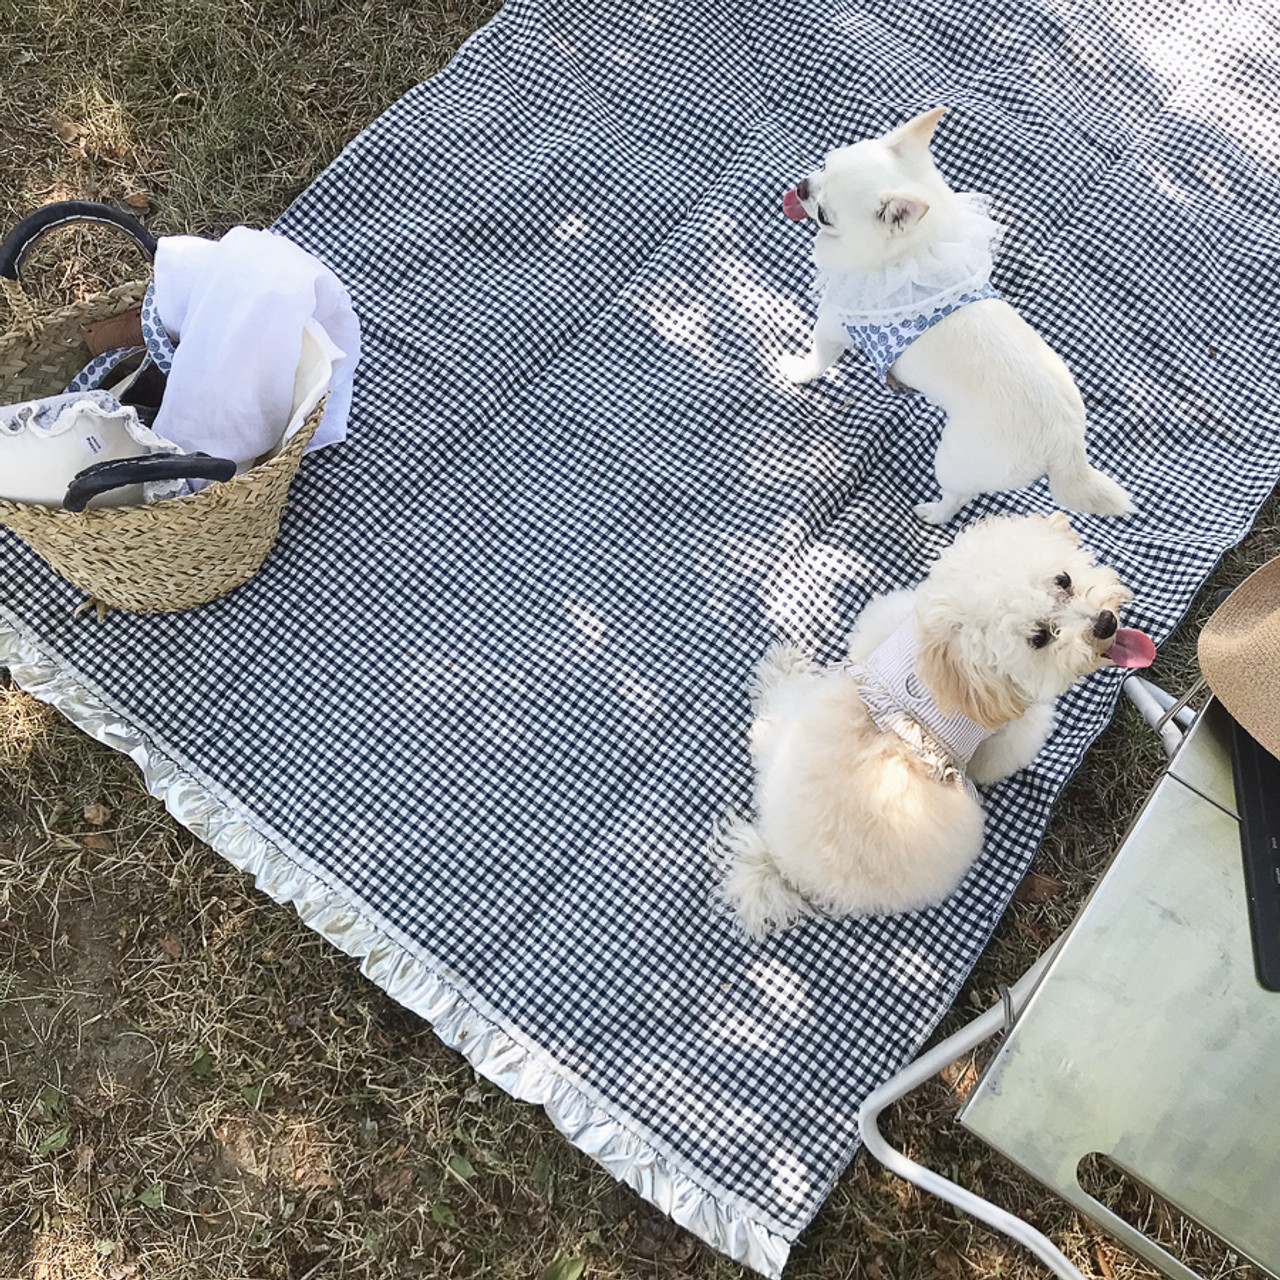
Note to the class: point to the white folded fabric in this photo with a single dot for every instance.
(45, 443)
(237, 308)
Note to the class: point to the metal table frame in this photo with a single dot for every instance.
(1143, 1034)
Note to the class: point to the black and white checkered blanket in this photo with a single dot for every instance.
(479, 713)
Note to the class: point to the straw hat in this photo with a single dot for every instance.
(1240, 654)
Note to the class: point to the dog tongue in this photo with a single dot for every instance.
(792, 207)
(1131, 649)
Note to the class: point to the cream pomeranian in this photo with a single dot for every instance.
(864, 771)
(905, 274)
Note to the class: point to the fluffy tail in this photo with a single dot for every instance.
(1080, 487)
(752, 887)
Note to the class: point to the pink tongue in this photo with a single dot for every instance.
(1131, 649)
(792, 207)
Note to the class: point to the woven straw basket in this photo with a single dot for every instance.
(157, 558)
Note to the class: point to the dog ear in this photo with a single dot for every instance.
(958, 687)
(1057, 520)
(900, 210)
(917, 133)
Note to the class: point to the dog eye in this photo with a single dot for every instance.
(823, 220)
(1063, 580)
(1039, 639)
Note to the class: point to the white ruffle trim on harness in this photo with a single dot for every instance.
(942, 272)
(457, 1015)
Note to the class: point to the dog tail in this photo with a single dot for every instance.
(1080, 487)
(752, 886)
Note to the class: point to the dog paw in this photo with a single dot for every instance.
(934, 512)
(780, 663)
(798, 369)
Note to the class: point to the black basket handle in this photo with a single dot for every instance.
(104, 476)
(20, 241)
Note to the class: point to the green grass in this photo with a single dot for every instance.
(192, 1085)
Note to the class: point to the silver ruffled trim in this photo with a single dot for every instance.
(522, 1070)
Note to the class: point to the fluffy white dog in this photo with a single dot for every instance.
(905, 267)
(863, 802)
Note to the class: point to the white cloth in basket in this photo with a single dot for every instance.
(238, 307)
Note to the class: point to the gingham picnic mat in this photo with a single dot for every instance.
(479, 713)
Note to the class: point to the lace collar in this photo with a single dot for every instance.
(941, 272)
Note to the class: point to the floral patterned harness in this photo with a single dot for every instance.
(886, 341)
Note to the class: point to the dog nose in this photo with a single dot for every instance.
(802, 188)
(1104, 625)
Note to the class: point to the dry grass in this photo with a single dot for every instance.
(193, 1086)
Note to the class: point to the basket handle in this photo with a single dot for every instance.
(20, 241)
(104, 476)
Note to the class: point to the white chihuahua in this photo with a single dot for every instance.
(905, 267)
(864, 770)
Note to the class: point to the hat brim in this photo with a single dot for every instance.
(1239, 652)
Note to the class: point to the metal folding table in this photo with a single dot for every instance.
(1148, 1039)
